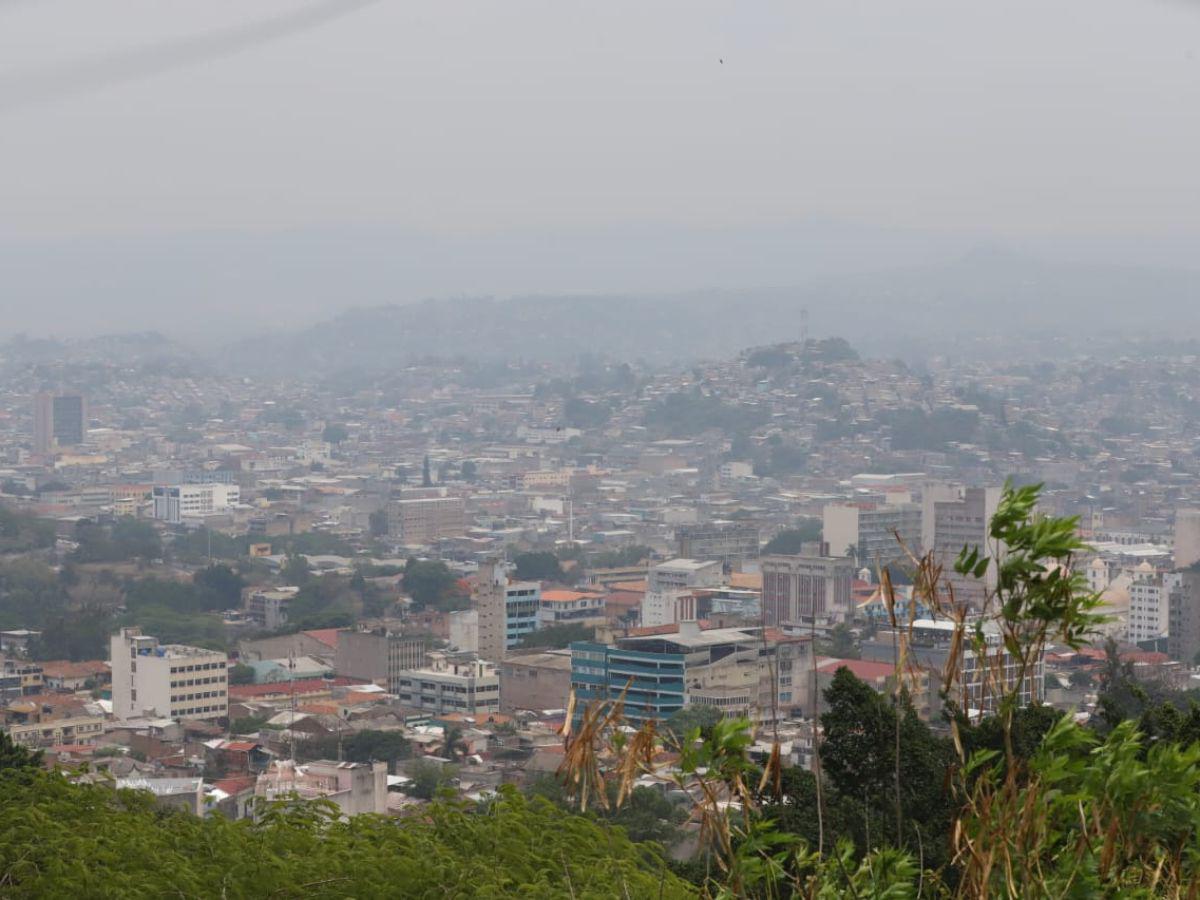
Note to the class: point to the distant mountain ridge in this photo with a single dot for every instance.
(901, 312)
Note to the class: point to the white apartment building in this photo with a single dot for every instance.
(268, 608)
(166, 680)
(870, 528)
(669, 587)
(354, 787)
(1149, 606)
(684, 574)
(176, 503)
(446, 686)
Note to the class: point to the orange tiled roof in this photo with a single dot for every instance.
(62, 668)
(865, 669)
(636, 587)
(747, 581)
(284, 688)
(327, 636)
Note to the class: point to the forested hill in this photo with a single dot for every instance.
(959, 306)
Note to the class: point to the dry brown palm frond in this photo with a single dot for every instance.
(565, 731)
(773, 772)
(637, 758)
(581, 770)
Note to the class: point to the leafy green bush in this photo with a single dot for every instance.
(58, 839)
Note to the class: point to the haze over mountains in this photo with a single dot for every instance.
(974, 303)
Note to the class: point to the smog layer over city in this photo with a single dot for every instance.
(600, 450)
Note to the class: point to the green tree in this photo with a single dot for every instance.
(841, 643)
(557, 636)
(378, 523)
(222, 583)
(429, 582)
(694, 718)
(21, 532)
(125, 539)
(428, 778)
(14, 756)
(426, 473)
(788, 541)
(247, 724)
(334, 434)
(295, 571)
(64, 840)
(538, 566)
(905, 789)
(240, 673)
(580, 413)
(76, 635)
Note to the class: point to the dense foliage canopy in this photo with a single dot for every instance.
(58, 839)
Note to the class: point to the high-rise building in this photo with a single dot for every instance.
(1149, 609)
(868, 531)
(426, 520)
(798, 588)
(964, 523)
(978, 683)
(507, 611)
(669, 587)
(724, 541)
(1187, 537)
(379, 655)
(934, 492)
(166, 680)
(1183, 616)
(58, 420)
(488, 598)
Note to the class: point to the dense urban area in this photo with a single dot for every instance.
(434, 587)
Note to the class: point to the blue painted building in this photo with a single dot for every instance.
(522, 600)
(652, 681)
(729, 669)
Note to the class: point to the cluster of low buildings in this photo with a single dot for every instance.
(661, 494)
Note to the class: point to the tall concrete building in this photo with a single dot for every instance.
(1183, 616)
(1149, 603)
(797, 588)
(964, 522)
(933, 492)
(724, 541)
(489, 600)
(58, 420)
(379, 655)
(669, 587)
(426, 520)
(1187, 537)
(166, 680)
(506, 611)
(871, 529)
(978, 681)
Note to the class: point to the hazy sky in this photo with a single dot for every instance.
(126, 120)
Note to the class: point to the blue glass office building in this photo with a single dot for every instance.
(653, 682)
